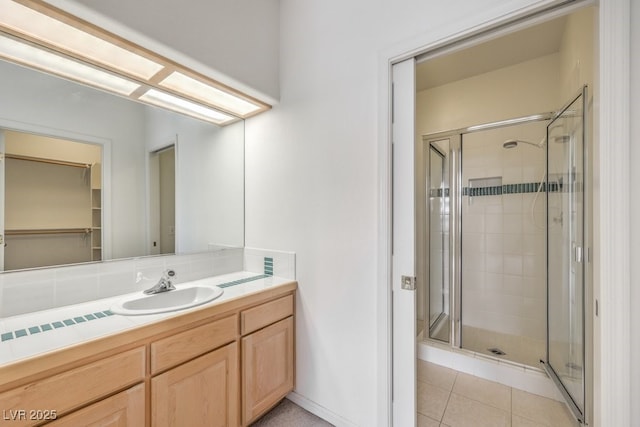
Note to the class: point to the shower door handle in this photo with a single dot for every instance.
(578, 253)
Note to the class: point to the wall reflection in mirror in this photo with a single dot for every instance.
(89, 176)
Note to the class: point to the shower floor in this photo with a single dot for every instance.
(520, 349)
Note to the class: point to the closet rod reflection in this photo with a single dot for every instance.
(50, 161)
(48, 231)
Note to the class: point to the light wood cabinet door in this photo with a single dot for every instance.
(267, 368)
(202, 392)
(125, 409)
(66, 391)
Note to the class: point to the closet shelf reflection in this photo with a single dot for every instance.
(47, 231)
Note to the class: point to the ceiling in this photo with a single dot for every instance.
(520, 46)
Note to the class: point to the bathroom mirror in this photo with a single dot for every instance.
(209, 162)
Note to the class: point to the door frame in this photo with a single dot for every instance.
(611, 213)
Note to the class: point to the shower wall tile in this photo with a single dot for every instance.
(494, 243)
(513, 284)
(512, 204)
(512, 244)
(473, 223)
(534, 287)
(494, 263)
(512, 223)
(512, 264)
(493, 223)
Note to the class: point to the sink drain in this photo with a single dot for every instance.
(496, 351)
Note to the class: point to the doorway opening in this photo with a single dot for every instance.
(162, 200)
(501, 200)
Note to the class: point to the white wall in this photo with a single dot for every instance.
(530, 87)
(235, 40)
(312, 181)
(635, 208)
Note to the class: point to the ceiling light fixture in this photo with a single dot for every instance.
(38, 35)
(46, 29)
(182, 83)
(43, 60)
(162, 99)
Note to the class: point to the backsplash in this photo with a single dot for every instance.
(41, 289)
(270, 263)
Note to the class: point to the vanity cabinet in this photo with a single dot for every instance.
(203, 391)
(199, 393)
(221, 366)
(123, 409)
(267, 356)
(50, 397)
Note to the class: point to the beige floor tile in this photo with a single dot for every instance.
(424, 421)
(436, 375)
(544, 411)
(484, 391)
(432, 400)
(518, 421)
(464, 412)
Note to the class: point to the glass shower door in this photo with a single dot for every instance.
(565, 361)
(438, 244)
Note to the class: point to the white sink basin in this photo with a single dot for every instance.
(178, 299)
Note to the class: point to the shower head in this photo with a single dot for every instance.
(561, 139)
(513, 143)
(510, 143)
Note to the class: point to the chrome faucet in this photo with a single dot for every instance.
(164, 284)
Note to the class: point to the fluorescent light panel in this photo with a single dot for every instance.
(196, 89)
(165, 100)
(26, 54)
(49, 30)
(119, 70)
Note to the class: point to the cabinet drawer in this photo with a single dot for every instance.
(181, 347)
(125, 409)
(266, 314)
(68, 390)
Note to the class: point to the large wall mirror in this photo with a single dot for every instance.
(90, 176)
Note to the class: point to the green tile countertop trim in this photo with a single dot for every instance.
(32, 330)
(240, 281)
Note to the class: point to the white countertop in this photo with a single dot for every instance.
(89, 326)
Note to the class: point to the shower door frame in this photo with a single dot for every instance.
(581, 414)
(455, 221)
(454, 144)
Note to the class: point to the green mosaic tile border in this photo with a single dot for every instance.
(526, 187)
(240, 281)
(268, 266)
(32, 330)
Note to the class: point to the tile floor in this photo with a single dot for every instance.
(447, 398)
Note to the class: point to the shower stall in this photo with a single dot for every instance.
(501, 252)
